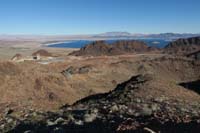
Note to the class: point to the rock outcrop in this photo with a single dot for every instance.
(183, 46)
(42, 52)
(16, 57)
(194, 55)
(99, 48)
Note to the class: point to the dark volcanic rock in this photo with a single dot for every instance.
(118, 110)
(194, 55)
(120, 47)
(194, 85)
(73, 70)
(183, 46)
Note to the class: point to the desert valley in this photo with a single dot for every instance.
(101, 87)
(99, 66)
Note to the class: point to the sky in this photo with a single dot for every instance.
(56, 17)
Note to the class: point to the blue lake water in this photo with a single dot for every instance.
(159, 43)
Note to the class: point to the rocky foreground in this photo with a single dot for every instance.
(147, 102)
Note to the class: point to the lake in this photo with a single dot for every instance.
(159, 43)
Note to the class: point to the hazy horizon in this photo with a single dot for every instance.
(77, 17)
(2, 34)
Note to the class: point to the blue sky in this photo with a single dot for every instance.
(97, 16)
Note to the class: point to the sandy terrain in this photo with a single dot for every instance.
(7, 53)
(27, 44)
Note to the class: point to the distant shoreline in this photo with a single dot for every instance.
(159, 43)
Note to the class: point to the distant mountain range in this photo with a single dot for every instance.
(114, 34)
(170, 36)
(106, 35)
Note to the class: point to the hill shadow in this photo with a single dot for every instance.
(193, 85)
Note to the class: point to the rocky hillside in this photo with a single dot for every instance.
(117, 48)
(42, 52)
(162, 96)
(194, 55)
(183, 46)
(123, 109)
